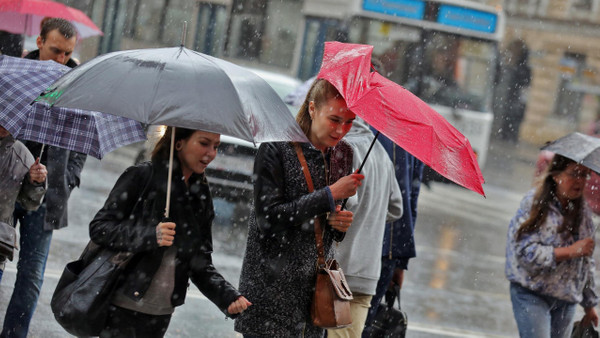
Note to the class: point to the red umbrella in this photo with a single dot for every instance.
(399, 114)
(24, 17)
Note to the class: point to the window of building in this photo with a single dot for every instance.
(264, 31)
(584, 8)
(568, 98)
(157, 21)
(246, 29)
(317, 31)
(211, 29)
(582, 5)
(172, 16)
(528, 8)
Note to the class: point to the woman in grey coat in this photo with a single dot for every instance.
(21, 179)
(279, 269)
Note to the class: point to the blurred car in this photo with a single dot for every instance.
(231, 173)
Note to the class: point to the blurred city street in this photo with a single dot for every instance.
(454, 288)
(509, 75)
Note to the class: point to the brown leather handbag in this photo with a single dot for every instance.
(330, 307)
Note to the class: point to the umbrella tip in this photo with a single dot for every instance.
(183, 33)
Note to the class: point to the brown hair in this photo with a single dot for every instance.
(320, 91)
(64, 27)
(544, 196)
(163, 146)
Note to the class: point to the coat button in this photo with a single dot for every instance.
(136, 293)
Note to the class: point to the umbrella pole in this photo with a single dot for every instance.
(183, 33)
(42, 150)
(363, 162)
(170, 176)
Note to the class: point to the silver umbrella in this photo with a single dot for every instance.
(581, 148)
(180, 88)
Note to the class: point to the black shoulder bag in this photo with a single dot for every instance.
(85, 289)
(389, 321)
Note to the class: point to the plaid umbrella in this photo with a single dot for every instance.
(89, 132)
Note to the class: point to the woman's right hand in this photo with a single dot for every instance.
(346, 186)
(165, 233)
(583, 247)
(238, 306)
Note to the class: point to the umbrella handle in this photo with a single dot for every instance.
(170, 176)
(362, 164)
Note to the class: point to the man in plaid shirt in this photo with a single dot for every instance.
(56, 42)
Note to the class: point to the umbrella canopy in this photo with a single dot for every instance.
(400, 115)
(25, 16)
(89, 132)
(581, 148)
(180, 88)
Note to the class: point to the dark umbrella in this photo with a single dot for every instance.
(89, 132)
(581, 148)
(180, 88)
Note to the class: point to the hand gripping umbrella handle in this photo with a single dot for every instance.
(363, 163)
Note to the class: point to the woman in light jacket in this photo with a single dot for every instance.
(279, 269)
(549, 254)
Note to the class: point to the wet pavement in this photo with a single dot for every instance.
(454, 288)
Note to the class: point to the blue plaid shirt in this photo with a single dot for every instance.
(530, 262)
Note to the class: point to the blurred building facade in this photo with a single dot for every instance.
(563, 38)
(564, 42)
(261, 33)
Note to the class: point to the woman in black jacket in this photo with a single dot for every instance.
(279, 269)
(166, 252)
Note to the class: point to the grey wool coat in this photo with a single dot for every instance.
(279, 270)
(15, 161)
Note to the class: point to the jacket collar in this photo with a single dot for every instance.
(6, 142)
(162, 168)
(35, 55)
(307, 146)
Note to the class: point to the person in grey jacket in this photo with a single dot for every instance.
(377, 201)
(21, 179)
(56, 42)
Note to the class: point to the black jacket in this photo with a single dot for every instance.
(128, 221)
(35, 55)
(279, 269)
(64, 173)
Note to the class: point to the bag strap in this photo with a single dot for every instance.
(317, 220)
(391, 295)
